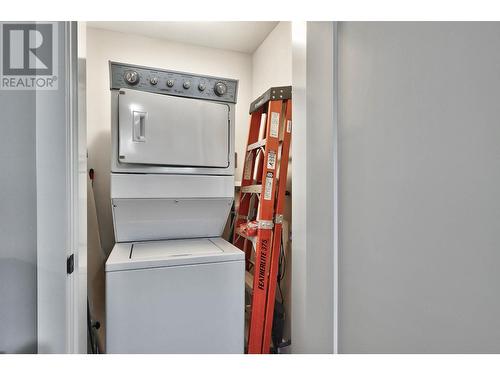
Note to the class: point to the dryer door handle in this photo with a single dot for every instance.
(139, 126)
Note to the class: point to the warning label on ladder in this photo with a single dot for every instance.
(288, 126)
(271, 160)
(269, 186)
(275, 122)
(247, 174)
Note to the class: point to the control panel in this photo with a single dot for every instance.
(172, 83)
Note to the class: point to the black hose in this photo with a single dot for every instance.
(91, 333)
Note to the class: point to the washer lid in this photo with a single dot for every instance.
(152, 254)
(166, 249)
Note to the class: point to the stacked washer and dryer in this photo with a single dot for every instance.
(173, 285)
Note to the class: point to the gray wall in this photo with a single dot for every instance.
(419, 164)
(18, 222)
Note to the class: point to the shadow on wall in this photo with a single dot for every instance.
(99, 158)
(100, 227)
(95, 269)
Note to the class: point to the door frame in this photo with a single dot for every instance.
(61, 204)
(314, 184)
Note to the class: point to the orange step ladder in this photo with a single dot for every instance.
(258, 223)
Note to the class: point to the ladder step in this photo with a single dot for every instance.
(251, 239)
(274, 93)
(253, 189)
(255, 145)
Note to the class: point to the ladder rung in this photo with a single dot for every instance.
(253, 189)
(255, 145)
(241, 234)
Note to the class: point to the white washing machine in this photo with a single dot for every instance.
(172, 284)
(177, 296)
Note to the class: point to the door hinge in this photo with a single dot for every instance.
(70, 264)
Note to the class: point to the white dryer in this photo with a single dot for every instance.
(172, 284)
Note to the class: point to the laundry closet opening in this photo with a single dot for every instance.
(167, 131)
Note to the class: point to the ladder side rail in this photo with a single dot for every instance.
(280, 204)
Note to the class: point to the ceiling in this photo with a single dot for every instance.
(235, 36)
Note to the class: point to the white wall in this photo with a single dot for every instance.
(102, 46)
(272, 60)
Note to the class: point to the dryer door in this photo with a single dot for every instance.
(172, 131)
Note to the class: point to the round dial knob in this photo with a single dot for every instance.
(220, 88)
(170, 82)
(186, 84)
(201, 87)
(153, 80)
(131, 76)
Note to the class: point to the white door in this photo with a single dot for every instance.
(61, 197)
(173, 131)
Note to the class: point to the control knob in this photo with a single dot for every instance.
(186, 84)
(220, 88)
(170, 82)
(201, 87)
(153, 80)
(132, 77)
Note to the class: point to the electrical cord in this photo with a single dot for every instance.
(281, 269)
(90, 330)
